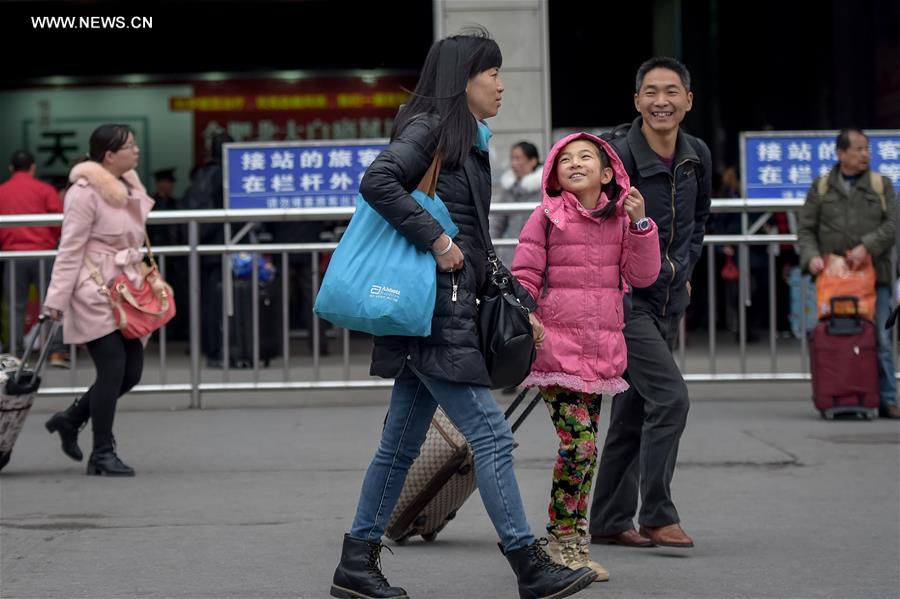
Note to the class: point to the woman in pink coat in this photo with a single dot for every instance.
(580, 249)
(104, 221)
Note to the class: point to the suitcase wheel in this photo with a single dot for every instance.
(430, 537)
(450, 516)
(4, 459)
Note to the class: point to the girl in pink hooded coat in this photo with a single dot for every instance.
(580, 249)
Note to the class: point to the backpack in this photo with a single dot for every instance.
(875, 181)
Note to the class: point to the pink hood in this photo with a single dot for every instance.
(551, 182)
(589, 263)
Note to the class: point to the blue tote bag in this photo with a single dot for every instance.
(377, 281)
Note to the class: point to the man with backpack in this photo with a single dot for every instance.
(671, 169)
(852, 212)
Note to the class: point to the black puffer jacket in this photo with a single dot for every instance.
(452, 351)
(678, 202)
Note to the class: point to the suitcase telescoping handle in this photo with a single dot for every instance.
(844, 322)
(15, 385)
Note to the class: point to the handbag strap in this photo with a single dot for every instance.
(96, 276)
(493, 261)
(149, 250)
(428, 184)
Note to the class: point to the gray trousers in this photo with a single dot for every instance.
(644, 431)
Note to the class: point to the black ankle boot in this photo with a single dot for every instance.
(104, 460)
(359, 576)
(540, 577)
(68, 423)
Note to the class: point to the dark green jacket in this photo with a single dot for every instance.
(837, 222)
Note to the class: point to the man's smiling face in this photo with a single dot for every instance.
(663, 100)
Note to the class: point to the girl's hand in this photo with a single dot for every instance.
(537, 330)
(634, 205)
(51, 313)
(452, 260)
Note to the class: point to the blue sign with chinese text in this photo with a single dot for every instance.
(308, 174)
(783, 164)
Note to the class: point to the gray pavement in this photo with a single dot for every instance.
(252, 502)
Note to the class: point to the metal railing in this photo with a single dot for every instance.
(309, 376)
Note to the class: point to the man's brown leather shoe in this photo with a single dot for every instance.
(628, 538)
(891, 411)
(667, 536)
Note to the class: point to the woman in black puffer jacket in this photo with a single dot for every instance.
(459, 87)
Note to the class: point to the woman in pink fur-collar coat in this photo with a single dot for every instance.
(105, 212)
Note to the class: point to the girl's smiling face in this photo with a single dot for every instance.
(579, 168)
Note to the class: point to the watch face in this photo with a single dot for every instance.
(643, 224)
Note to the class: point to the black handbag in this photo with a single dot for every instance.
(507, 343)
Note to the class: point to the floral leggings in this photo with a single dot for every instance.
(575, 416)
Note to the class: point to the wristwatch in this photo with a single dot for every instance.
(642, 225)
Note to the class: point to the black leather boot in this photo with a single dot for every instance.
(68, 423)
(540, 577)
(359, 575)
(104, 460)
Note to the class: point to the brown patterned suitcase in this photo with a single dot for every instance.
(19, 387)
(441, 479)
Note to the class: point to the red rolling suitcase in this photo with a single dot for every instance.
(441, 479)
(844, 362)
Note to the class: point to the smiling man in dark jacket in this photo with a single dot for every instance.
(671, 169)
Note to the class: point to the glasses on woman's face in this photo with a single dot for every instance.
(131, 146)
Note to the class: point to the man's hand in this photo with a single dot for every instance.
(634, 205)
(816, 265)
(537, 330)
(689, 288)
(857, 256)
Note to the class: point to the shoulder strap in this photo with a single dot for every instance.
(822, 185)
(877, 184)
(695, 143)
(627, 159)
(428, 184)
(482, 219)
(95, 275)
(149, 250)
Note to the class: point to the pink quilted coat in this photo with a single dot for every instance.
(584, 349)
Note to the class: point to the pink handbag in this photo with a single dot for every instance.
(137, 312)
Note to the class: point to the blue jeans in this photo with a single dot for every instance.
(478, 417)
(887, 377)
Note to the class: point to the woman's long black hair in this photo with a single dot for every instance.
(441, 89)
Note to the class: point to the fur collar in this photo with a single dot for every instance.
(530, 183)
(112, 190)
